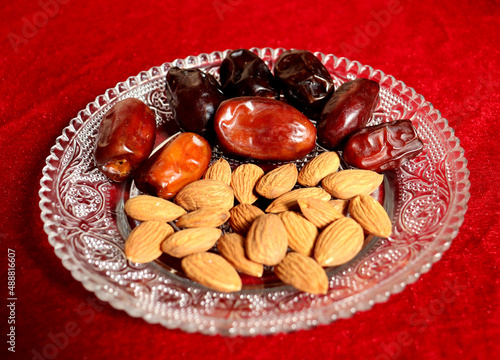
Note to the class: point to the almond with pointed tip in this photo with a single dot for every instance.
(347, 184)
(219, 170)
(300, 231)
(204, 217)
(319, 212)
(205, 193)
(243, 181)
(340, 205)
(277, 181)
(212, 271)
(288, 201)
(147, 208)
(266, 242)
(144, 242)
(371, 215)
(339, 242)
(232, 248)
(318, 168)
(303, 273)
(242, 217)
(190, 241)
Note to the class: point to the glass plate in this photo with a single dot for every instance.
(84, 219)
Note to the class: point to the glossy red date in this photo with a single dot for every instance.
(348, 110)
(125, 139)
(383, 147)
(178, 163)
(263, 129)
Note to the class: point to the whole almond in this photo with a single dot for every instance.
(211, 270)
(144, 242)
(232, 248)
(243, 181)
(348, 183)
(300, 231)
(318, 168)
(219, 170)
(190, 241)
(340, 205)
(303, 273)
(277, 181)
(242, 217)
(147, 208)
(204, 217)
(339, 242)
(205, 193)
(288, 201)
(266, 242)
(319, 212)
(371, 215)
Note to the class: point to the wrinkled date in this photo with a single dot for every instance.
(305, 81)
(263, 129)
(383, 147)
(243, 73)
(178, 163)
(194, 96)
(348, 110)
(125, 139)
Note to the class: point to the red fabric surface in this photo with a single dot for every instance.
(447, 51)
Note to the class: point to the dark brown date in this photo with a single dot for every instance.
(383, 147)
(243, 73)
(125, 139)
(194, 96)
(305, 81)
(263, 129)
(178, 163)
(348, 110)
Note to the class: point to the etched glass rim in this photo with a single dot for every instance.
(313, 316)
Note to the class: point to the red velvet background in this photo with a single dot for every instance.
(448, 51)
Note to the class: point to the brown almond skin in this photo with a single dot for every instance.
(278, 181)
(144, 242)
(205, 193)
(263, 129)
(125, 139)
(349, 183)
(301, 232)
(288, 201)
(147, 208)
(190, 241)
(371, 215)
(266, 242)
(219, 170)
(319, 212)
(242, 217)
(180, 162)
(204, 217)
(243, 181)
(232, 248)
(318, 168)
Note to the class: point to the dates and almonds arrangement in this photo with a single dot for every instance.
(315, 217)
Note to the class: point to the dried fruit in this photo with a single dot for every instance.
(340, 205)
(318, 168)
(190, 241)
(277, 181)
(300, 231)
(349, 183)
(371, 215)
(204, 217)
(266, 242)
(144, 242)
(219, 170)
(288, 201)
(242, 217)
(319, 212)
(205, 193)
(243, 181)
(232, 248)
(303, 273)
(339, 242)
(213, 271)
(146, 208)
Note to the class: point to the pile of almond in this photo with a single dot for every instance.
(301, 232)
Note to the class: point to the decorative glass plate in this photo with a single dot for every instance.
(84, 219)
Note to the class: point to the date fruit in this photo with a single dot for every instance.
(348, 110)
(305, 81)
(243, 73)
(194, 97)
(263, 129)
(383, 147)
(181, 161)
(125, 139)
